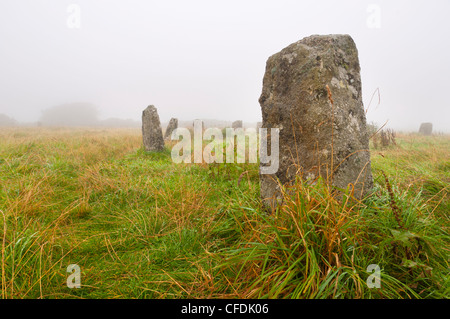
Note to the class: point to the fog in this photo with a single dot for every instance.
(206, 59)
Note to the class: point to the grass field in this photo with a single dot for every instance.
(140, 226)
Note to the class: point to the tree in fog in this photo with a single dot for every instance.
(72, 114)
(7, 121)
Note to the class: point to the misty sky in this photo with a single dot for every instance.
(206, 59)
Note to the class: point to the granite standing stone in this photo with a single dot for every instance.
(151, 130)
(173, 125)
(317, 137)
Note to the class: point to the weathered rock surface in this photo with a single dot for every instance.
(426, 128)
(173, 125)
(151, 130)
(317, 137)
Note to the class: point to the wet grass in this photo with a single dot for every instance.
(140, 226)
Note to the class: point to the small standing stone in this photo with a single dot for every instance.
(200, 124)
(426, 128)
(318, 137)
(236, 124)
(173, 125)
(151, 130)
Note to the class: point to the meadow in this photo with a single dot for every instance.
(141, 226)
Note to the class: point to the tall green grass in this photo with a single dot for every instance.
(140, 226)
(318, 247)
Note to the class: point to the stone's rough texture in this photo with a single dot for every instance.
(173, 125)
(151, 130)
(295, 100)
(426, 128)
(236, 124)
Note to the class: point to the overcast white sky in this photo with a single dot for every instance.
(206, 59)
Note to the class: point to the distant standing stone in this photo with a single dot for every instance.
(200, 124)
(173, 125)
(317, 138)
(151, 130)
(426, 128)
(236, 124)
(258, 125)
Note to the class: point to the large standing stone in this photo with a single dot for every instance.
(236, 124)
(173, 125)
(151, 130)
(426, 128)
(317, 137)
